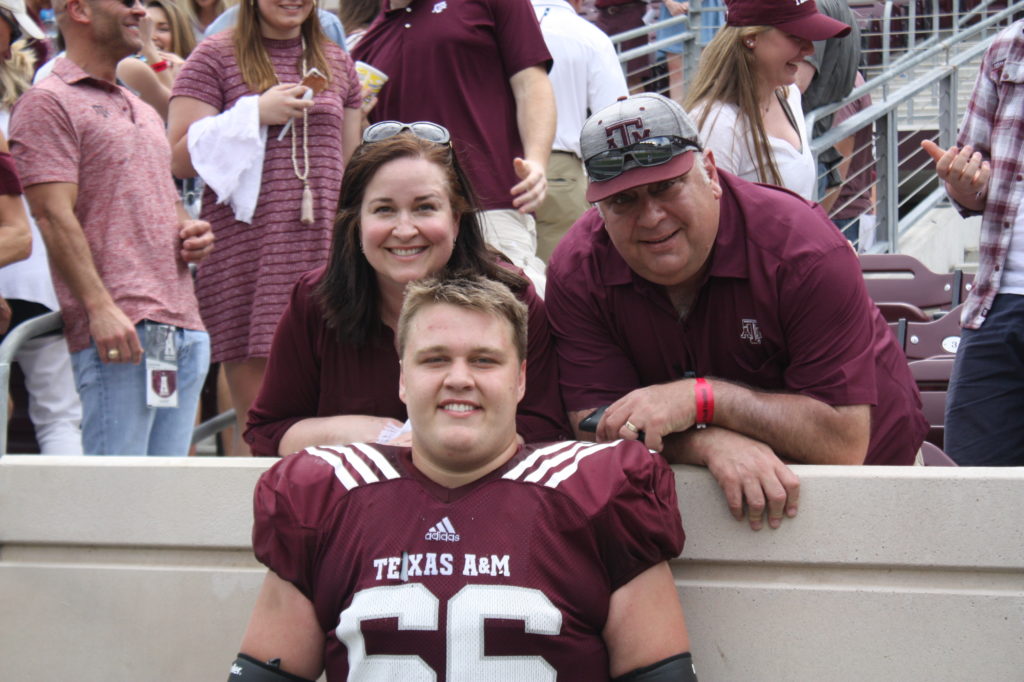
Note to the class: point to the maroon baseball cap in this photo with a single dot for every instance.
(797, 17)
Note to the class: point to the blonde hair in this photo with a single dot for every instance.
(191, 9)
(728, 74)
(16, 73)
(253, 60)
(470, 292)
(184, 39)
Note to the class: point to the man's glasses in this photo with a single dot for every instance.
(653, 151)
(431, 132)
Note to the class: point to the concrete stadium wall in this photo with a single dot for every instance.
(132, 569)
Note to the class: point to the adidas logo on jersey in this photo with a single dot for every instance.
(443, 531)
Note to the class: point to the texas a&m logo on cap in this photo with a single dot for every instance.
(625, 133)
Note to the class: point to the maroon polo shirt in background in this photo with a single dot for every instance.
(783, 307)
(450, 62)
(310, 374)
(10, 183)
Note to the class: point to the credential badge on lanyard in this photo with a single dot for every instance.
(161, 365)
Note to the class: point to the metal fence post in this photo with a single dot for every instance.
(947, 108)
(887, 154)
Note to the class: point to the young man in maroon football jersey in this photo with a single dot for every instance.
(467, 556)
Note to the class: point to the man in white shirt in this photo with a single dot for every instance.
(586, 77)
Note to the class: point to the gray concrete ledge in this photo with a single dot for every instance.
(140, 569)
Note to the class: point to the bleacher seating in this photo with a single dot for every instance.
(930, 339)
(932, 377)
(903, 288)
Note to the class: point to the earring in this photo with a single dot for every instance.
(749, 43)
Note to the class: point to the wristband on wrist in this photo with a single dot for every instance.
(160, 65)
(705, 396)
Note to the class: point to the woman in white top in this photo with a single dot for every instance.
(744, 100)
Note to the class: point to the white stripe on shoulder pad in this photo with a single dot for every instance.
(521, 468)
(571, 468)
(359, 464)
(554, 460)
(379, 459)
(335, 461)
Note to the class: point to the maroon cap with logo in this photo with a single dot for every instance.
(797, 17)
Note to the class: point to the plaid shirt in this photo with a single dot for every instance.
(994, 126)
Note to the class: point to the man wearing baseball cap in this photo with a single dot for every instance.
(724, 322)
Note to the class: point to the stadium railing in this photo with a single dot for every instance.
(920, 60)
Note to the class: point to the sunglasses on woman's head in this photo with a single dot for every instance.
(653, 151)
(425, 130)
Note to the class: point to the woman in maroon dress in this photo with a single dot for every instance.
(244, 285)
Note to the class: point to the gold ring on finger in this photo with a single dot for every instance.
(113, 354)
(629, 425)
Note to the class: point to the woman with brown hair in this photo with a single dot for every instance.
(203, 12)
(744, 98)
(301, 138)
(406, 211)
(171, 30)
(167, 40)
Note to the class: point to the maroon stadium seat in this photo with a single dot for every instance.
(930, 339)
(905, 285)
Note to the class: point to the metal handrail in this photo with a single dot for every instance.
(213, 426)
(27, 330)
(920, 56)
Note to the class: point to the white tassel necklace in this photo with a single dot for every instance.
(306, 211)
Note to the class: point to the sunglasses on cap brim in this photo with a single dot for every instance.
(653, 151)
(425, 130)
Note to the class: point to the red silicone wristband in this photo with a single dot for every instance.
(705, 403)
(160, 65)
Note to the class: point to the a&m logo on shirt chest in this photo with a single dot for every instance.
(750, 332)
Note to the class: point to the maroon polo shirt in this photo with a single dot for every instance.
(10, 183)
(782, 307)
(450, 62)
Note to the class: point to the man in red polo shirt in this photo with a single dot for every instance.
(726, 321)
(95, 162)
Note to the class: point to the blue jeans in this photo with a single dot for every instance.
(850, 227)
(985, 402)
(115, 417)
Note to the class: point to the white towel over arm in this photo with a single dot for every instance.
(227, 153)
